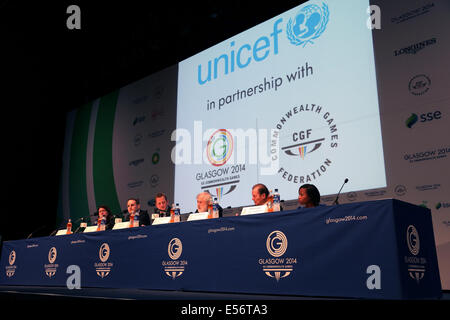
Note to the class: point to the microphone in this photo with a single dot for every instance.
(82, 220)
(337, 197)
(34, 231)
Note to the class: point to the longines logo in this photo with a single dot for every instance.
(277, 266)
(174, 268)
(103, 268)
(307, 143)
(415, 264)
(11, 269)
(50, 269)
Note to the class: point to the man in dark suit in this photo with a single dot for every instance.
(133, 206)
(162, 207)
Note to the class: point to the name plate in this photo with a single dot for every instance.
(121, 225)
(61, 232)
(198, 216)
(90, 229)
(253, 210)
(161, 220)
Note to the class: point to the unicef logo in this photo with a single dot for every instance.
(104, 252)
(276, 243)
(220, 147)
(308, 24)
(52, 255)
(175, 248)
(412, 238)
(12, 258)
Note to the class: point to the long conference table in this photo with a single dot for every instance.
(380, 249)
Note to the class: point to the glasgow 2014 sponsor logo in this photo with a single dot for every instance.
(277, 266)
(419, 84)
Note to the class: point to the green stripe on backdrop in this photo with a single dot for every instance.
(104, 185)
(77, 173)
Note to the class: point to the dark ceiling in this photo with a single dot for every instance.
(48, 70)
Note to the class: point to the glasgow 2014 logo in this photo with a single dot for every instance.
(220, 147)
(103, 268)
(175, 267)
(11, 269)
(308, 24)
(52, 267)
(277, 267)
(416, 265)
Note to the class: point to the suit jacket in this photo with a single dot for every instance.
(144, 219)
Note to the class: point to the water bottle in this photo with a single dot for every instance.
(136, 220)
(132, 220)
(276, 201)
(99, 222)
(210, 209)
(69, 227)
(103, 224)
(269, 203)
(172, 213)
(177, 213)
(215, 208)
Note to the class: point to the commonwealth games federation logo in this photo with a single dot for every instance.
(308, 24)
(220, 147)
(277, 267)
(174, 268)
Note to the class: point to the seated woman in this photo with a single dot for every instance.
(308, 196)
(105, 211)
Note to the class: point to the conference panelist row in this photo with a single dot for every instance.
(207, 208)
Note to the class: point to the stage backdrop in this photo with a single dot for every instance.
(313, 95)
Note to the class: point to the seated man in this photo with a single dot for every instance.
(203, 199)
(260, 194)
(162, 205)
(133, 206)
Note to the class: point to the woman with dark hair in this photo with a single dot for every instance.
(308, 196)
(106, 211)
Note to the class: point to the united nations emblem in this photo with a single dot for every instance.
(277, 267)
(51, 268)
(175, 267)
(11, 269)
(308, 24)
(103, 268)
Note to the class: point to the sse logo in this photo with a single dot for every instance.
(424, 117)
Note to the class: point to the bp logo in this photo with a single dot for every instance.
(11, 269)
(220, 147)
(103, 268)
(307, 136)
(415, 264)
(51, 268)
(174, 268)
(308, 24)
(277, 266)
